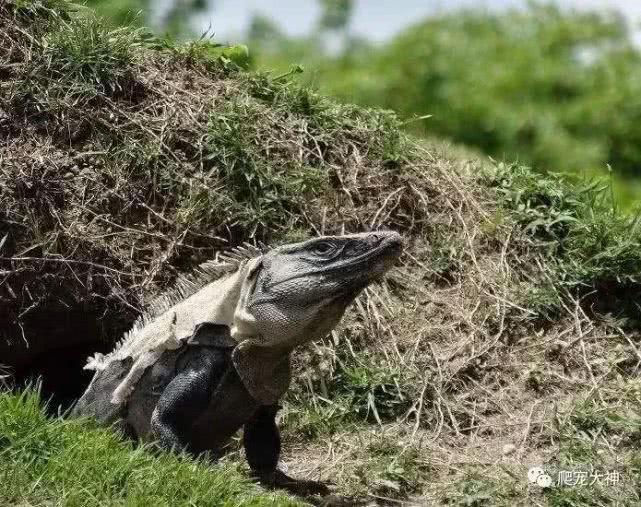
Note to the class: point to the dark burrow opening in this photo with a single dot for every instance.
(59, 342)
(59, 374)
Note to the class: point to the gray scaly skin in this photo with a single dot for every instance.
(217, 361)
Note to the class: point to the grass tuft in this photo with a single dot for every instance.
(595, 250)
(86, 50)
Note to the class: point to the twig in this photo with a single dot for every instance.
(68, 261)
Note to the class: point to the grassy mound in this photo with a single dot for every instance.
(509, 336)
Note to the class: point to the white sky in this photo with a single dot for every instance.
(375, 19)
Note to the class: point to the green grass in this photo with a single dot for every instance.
(258, 188)
(86, 50)
(476, 490)
(53, 461)
(356, 388)
(594, 247)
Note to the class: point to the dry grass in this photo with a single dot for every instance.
(489, 349)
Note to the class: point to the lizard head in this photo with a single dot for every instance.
(299, 292)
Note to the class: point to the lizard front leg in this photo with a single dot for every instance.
(187, 396)
(261, 440)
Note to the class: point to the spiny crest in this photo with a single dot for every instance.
(186, 285)
(240, 253)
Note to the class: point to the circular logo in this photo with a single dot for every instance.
(545, 481)
(534, 473)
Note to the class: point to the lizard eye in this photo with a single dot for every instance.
(323, 248)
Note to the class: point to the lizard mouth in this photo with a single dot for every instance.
(385, 249)
(381, 258)
(392, 246)
(378, 261)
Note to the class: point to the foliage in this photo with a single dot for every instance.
(335, 14)
(552, 88)
(171, 17)
(119, 12)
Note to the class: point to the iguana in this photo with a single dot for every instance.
(213, 356)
